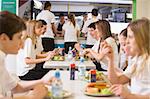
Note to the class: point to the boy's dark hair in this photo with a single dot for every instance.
(10, 24)
(95, 12)
(92, 25)
(124, 32)
(61, 15)
(43, 22)
(46, 5)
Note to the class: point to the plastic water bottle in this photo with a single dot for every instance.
(57, 87)
(81, 69)
(70, 54)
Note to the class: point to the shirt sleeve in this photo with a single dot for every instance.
(7, 81)
(53, 19)
(85, 27)
(113, 44)
(28, 47)
(77, 27)
(128, 71)
(64, 27)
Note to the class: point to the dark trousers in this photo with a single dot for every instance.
(89, 46)
(37, 73)
(48, 44)
(67, 45)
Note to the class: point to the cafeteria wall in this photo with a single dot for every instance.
(142, 9)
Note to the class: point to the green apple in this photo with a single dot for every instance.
(55, 58)
(105, 91)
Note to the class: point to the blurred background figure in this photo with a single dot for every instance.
(123, 60)
(60, 24)
(90, 40)
(71, 32)
(49, 17)
(44, 27)
(85, 17)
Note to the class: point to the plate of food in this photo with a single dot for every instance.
(65, 94)
(58, 58)
(98, 90)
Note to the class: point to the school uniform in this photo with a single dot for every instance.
(113, 44)
(28, 71)
(70, 36)
(7, 83)
(48, 37)
(90, 40)
(140, 83)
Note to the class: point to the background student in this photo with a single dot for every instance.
(104, 33)
(30, 54)
(48, 36)
(90, 40)
(71, 32)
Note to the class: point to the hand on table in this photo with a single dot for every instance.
(119, 90)
(39, 92)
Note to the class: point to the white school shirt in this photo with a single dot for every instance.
(49, 17)
(7, 83)
(29, 50)
(90, 40)
(96, 46)
(122, 59)
(11, 65)
(113, 44)
(139, 84)
(70, 32)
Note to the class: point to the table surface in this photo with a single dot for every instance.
(65, 64)
(76, 87)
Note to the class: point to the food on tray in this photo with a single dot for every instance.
(92, 90)
(99, 76)
(98, 88)
(58, 58)
(105, 91)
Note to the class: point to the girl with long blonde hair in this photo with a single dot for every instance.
(30, 54)
(138, 46)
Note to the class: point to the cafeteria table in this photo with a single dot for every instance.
(65, 64)
(76, 87)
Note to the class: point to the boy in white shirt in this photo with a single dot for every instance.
(11, 30)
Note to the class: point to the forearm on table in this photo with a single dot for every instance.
(35, 61)
(135, 96)
(29, 84)
(42, 55)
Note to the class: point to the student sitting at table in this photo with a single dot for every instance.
(123, 58)
(30, 54)
(10, 41)
(138, 46)
(95, 35)
(104, 33)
